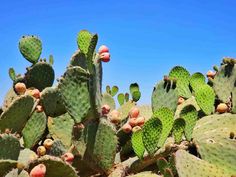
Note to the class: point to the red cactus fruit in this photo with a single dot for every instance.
(103, 49)
(140, 121)
(68, 157)
(132, 122)
(48, 143)
(134, 112)
(38, 171)
(20, 88)
(35, 93)
(105, 57)
(127, 128)
(105, 109)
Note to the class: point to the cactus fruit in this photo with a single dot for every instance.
(73, 129)
(20, 88)
(222, 108)
(38, 171)
(103, 49)
(105, 109)
(134, 112)
(105, 57)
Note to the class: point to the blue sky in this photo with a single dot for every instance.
(146, 38)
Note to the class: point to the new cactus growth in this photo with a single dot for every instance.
(73, 129)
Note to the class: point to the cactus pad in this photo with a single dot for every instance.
(182, 76)
(26, 156)
(57, 149)
(224, 81)
(6, 166)
(164, 95)
(75, 92)
(196, 80)
(10, 147)
(61, 128)
(105, 145)
(55, 167)
(190, 115)
(34, 129)
(10, 96)
(205, 98)
(166, 117)
(178, 129)
(189, 165)
(109, 100)
(125, 108)
(212, 136)
(40, 76)
(137, 143)
(31, 48)
(18, 112)
(145, 111)
(151, 134)
(52, 102)
(79, 59)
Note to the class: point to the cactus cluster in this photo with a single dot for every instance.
(71, 128)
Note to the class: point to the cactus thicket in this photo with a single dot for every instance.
(72, 128)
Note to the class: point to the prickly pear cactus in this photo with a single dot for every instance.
(72, 128)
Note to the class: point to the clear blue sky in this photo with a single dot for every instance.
(146, 38)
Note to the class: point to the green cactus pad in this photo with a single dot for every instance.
(121, 98)
(205, 97)
(83, 40)
(6, 166)
(125, 109)
(79, 140)
(190, 115)
(136, 96)
(18, 111)
(12, 74)
(164, 95)
(31, 48)
(182, 76)
(137, 143)
(151, 134)
(10, 147)
(178, 129)
(74, 90)
(162, 164)
(57, 149)
(96, 87)
(79, 59)
(61, 128)
(212, 136)
(196, 80)
(17, 173)
(114, 90)
(26, 156)
(109, 100)
(224, 82)
(40, 76)
(10, 96)
(189, 101)
(105, 145)
(166, 116)
(34, 129)
(189, 165)
(52, 102)
(55, 167)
